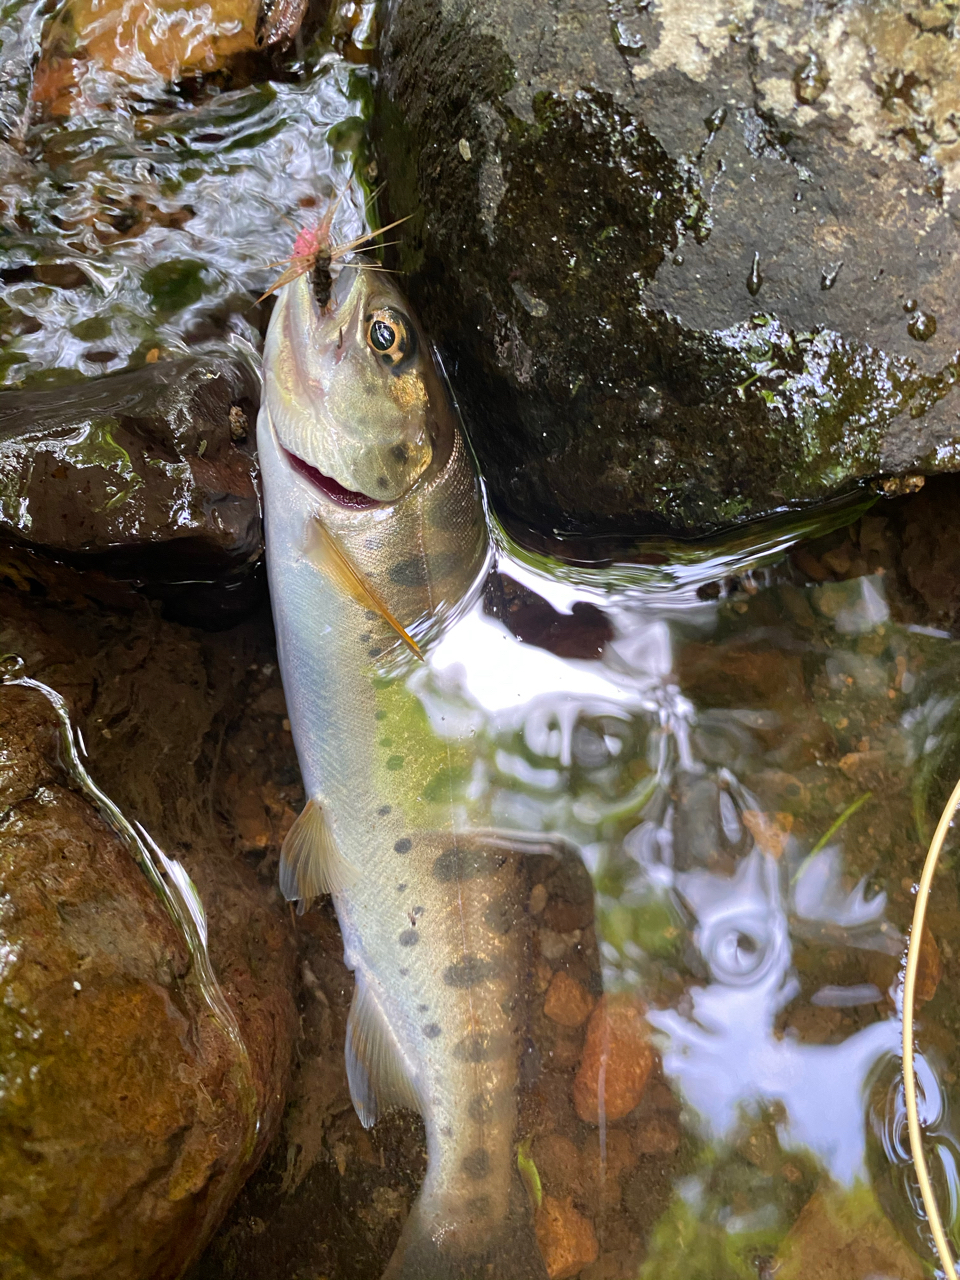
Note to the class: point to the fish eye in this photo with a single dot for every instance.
(390, 335)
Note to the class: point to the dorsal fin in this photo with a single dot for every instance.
(376, 1071)
(324, 551)
(310, 862)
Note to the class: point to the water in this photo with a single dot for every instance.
(140, 220)
(749, 765)
(747, 745)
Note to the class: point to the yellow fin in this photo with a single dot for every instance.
(325, 552)
(376, 1071)
(310, 862)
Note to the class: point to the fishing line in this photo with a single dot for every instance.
(909, 993)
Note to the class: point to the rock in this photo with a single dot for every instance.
(567, 1002)
(657, 1136)
(157, 1115)
(603, 1167)
(843, 1234)
(128, 1112)
(558, 1163)
(143, 219)
(136, 473)
(144, 42)
(567, 1239)
(641, 247)
(618, 1053)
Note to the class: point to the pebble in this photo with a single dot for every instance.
(558, 1163)
(618, 1051)
(538, 899)
(554, 945)
(601, 1176)
(657, 1136)
(567, 1002)
(567, 1239)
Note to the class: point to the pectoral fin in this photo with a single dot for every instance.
(376, 1071)
(324, 551)
(310, 862)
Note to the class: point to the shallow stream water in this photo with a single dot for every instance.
(749, 760)
(746, 746)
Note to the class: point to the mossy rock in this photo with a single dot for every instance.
(687, 269)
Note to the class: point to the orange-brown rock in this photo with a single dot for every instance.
(929, 968)
(658, 1135)
(130, 1111)
(603, 1165)
(567, 1239)
(558, 1163)
(567, 1002)
(616, 1063)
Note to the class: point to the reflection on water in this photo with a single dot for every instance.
(750, 781)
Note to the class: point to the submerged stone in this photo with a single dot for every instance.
(633, 265)
(140, 473)
(131, 1108)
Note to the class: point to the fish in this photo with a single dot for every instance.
(376, 542)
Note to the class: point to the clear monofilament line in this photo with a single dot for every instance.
(909, 996)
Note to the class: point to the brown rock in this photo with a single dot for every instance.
(602, 1168)
(558, 1163)
(567, 1002)
(842, 1234)
(137, 472)
(656, 1136)
(153, 701)
(929, 968)
(617, 1058)
(567, 1239)
(130, 1116)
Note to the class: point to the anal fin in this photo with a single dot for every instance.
(310, 861)
(376, 1071)
(324, 551)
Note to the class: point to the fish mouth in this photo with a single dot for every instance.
(329, 487)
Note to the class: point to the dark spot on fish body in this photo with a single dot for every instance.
(374, 653)
(422, 1008)
(403, 972)
(409, 938)
(501, 916)
(476, 1164)
(381, 715)
(431, 1030)
(403, 845)
(467, 864)
(384, 808)
(470, 971)
(413, 572)
(394, 763)
(479, 1107)
(478, 1207)
(365, 639)
(401, 888)
(479, 1047)
(418, 911)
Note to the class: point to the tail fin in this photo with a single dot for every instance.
(460, 1245)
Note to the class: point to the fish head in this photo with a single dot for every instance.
(353, 391)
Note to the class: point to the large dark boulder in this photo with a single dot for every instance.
(690, 262)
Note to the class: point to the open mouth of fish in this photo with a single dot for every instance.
(329, 487)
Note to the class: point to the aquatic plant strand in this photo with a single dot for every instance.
(909, 993)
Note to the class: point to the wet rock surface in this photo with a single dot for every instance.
(164, 1128)
(689, 264)
(126, 1118)
(149, 473)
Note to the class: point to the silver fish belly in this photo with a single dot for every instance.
(431, 914)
